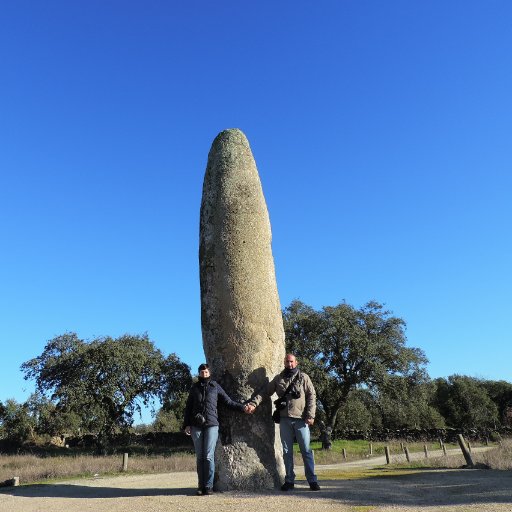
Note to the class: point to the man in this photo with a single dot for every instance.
(296, 416)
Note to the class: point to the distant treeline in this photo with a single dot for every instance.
(366, 378)
(446, 435)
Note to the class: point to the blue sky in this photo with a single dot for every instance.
(381, 131)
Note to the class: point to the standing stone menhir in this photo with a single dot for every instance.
(241, 318)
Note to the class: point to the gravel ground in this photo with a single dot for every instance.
(460, 490)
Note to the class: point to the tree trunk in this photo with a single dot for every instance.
(331, 419)
(332, 412)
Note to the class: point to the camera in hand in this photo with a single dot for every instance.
(280, 403)
(199, 420)
(294, 393)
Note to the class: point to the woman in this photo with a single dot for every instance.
(202, 423)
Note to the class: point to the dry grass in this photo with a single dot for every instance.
(499, 458)
(357, 450)
(32, 468)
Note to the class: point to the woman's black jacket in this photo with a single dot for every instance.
(203, 398)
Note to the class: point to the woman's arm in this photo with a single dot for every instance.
(227, 400)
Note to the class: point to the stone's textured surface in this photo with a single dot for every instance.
(242, 325)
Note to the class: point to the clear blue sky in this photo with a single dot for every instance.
(382, 132)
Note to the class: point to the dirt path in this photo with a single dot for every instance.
(429, 490)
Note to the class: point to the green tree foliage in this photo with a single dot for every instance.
(50, 419)
(344, 348)
(465, 403)
(500, 392)
(174, 382)
(407, 402)
(360, 411)
(16, 422)
(106, 381)
(167, 421)
(171, 415)
(38, 416)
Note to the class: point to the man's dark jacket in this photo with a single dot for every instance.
(203, 398)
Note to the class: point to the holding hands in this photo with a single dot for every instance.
(249, 409)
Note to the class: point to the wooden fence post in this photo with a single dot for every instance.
(407, 456)
(344, 453)
(386, 451)
(444, 450)
(465, 451)
(371, 449)
(125, 462)
(425, 449)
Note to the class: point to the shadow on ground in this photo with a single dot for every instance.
(425, 488)
(85, 491)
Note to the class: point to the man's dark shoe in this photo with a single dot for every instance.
(207, 491)
(199, 492)
(314, 486)
(287, 486)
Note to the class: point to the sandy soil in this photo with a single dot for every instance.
(457, 490)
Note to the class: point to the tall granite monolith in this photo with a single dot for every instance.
(242, 326)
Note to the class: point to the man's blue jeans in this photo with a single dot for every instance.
(205, 440)
(296, 427)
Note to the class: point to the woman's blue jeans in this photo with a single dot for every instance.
(290, 428)
(205, 440)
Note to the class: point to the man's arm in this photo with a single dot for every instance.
(258, 397)
(310, 395)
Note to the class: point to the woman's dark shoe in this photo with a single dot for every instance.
(199, 492)
(287, 486)
(314, 486)
(207, 491)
